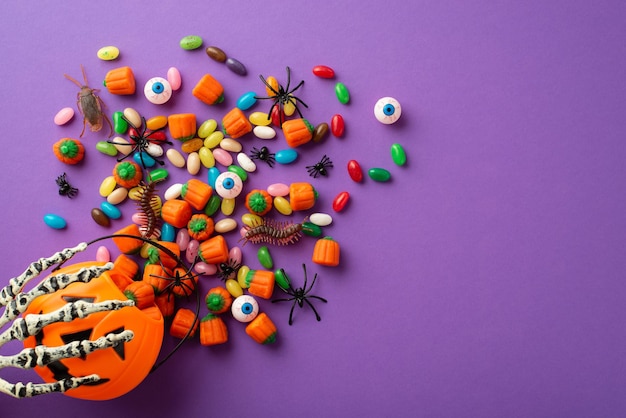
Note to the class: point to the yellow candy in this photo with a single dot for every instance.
(156, 122)
(193, 163)
(228, 206)
(207, 128)
(225, 225)
(122, 145)
(117, 196)
(108, 53)
(214, 139)
(241, 276)
(290, 107)
(143, 252)
(134, 193)
(206, 157)
(271, 80)
(234, 288)
(251, 220)
(259, 119)
(107, 186)
(282, 205)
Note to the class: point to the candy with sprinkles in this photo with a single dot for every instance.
(190, 42)
(108, 53)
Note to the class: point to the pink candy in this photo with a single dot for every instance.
(278, 189)
(174, 78)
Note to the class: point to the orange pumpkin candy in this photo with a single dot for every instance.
(326, 252)
(120, 81)
(208, 90)
(123, 366)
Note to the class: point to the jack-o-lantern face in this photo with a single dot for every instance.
(122, 367)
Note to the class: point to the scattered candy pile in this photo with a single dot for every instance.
(181, 222)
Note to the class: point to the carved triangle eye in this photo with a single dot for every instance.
(71, 299)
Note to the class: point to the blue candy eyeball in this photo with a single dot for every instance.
(157, 90)
(387, 110)
(228, 185)
(244, 308)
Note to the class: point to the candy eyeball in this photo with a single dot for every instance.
(244, 308)
(157, 90)
(387, 110)
(228, 185)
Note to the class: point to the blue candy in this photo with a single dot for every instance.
(148, 161)
(54, 221)
(246, 100)
(286, 156)
(168, 233)
(212, 175)
(110, 210)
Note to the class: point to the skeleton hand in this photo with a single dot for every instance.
(15, 302)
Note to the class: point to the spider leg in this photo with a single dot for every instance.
(318, 298)
(288, 79)
(283, 300)
(291, 313)
(317, 316)
(269, 87)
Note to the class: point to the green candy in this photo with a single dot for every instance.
(191, 42)
(158, 174)
(239, 171)
(343, 95)
(106, 148)
(212, 205)
(310, 229)
(281, 279)
(263, 254)
(379, 174)
(119, 123)
(398, 155)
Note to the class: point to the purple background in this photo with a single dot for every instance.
(486, 279)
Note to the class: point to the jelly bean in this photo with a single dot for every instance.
(168, 233)
(379, 174)
(340, 201)
(106, 148)
(192, 250)
(264, 132)
(137, 217)
(234, 288)
(355, 171)
(222, 157)
(145, 251)
(174, 78)
(245, 162)
(281, 279)
(213, 205)
(216, 54)
(398, 155)
(119, 123)
(264, 256)
(190, 42)
(225, 225)
(203, 268)
(102, 254)
(110, 210)
(107, 186)
(173, 192)
(182, 239)
(320, 132)
(54, 221)
(251, 219)
(175, 157)
(387, 110)
(343, 95)
(144, 159)
(158, 174)
(259, 119)
(193, 163)
(282, 206)
(278, 189)
(117, 196)
(290, 106)
(235, 255)
(63, 116)
(156, 122)
(286, 156)
(321, 219)
(246, 100)
(207, 158)
(236, 67)
(232, 145)
(323, 71)
(108, 53)
(135, 193)
(310, 229)
(243, 175)
(100, 217)
(132, 116)
(212, 176)
(337, 125)
(214, 139)
(122, 145)
(154, 150)
(207, 128)
(228, 206)
(157, 90)
(241, 276)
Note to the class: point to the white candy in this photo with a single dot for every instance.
(173, 192)
(264, 132)
(246, 163)
(321, 219)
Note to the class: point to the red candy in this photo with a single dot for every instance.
(354, 169)
(337, 126)
(323, 71)
(341, 201)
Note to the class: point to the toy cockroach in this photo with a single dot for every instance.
(90, 106)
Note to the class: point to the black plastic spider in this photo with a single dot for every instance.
(300, 296)
(141, 138)
(181, 281)
(282, 97)
(263, 154)
(319, 169)
(65, 188)
(228, 269)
